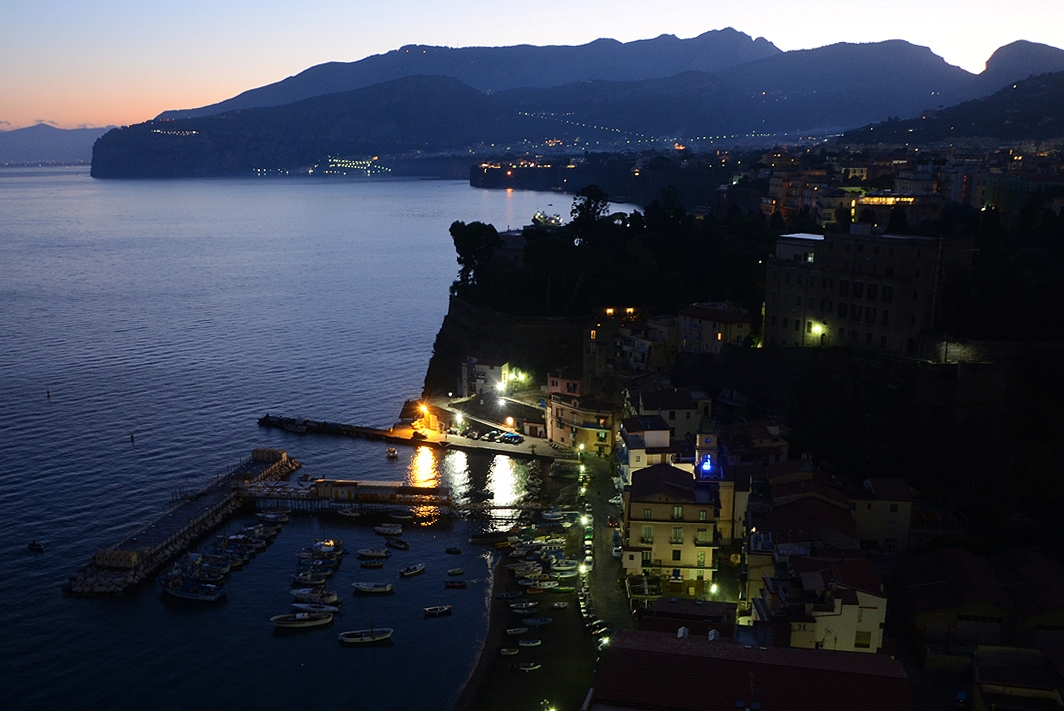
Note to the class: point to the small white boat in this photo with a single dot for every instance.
(515, 631)
(389, 529)
(456, 571)
(437, 611)
(374, 553)
(309, 579)
(528, 642)
(377, 634)
(411, 570)
(315, 595)
(523, 605)
(372, 588)
(529, 666)
(302, 619)
(559, 606)
(314, 607)
(349, 513)
(508, 651)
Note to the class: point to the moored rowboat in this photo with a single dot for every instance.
(369, 636)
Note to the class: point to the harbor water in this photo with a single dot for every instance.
(144, 327)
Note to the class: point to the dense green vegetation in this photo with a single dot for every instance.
(663, 259)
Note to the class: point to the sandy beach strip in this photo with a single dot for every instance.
(497, 617)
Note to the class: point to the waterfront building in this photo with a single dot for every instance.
(670, 529)
(583, 423)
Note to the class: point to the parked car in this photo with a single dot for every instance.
(612, 522)
(589, 563)
(617, 500)
(618, 551)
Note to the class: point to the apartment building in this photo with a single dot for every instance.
(861, 289)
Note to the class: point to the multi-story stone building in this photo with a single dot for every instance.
(706, 327)
(862, 289)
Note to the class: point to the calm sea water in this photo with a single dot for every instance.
(180, 311)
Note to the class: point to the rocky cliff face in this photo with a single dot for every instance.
(536, 345)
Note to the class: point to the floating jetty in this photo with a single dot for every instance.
(139, 555)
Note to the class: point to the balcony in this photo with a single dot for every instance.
(712, 541)
(646, 539)
(676, 540)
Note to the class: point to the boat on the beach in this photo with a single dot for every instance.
(378, 634)
(412, 570)
(529, 666)
(563, 589)
(523, 605)
(372, 563)
(515, 631)
(559, 606)
(437, 610)
(528, 642)
(372, 588)
(456, 571)
(524, 612)
(374, 553)
(513, 594)
(537, 621)
(302, 619)
(508, 651)
(314, 607)
(398, 543)
(457, 584)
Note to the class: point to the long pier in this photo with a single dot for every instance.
(301, 425)
(139, 555)
(531, 448)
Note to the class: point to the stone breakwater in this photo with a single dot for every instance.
(128, 564)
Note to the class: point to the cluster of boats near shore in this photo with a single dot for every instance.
(201, 576)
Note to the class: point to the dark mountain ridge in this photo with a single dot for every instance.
(47, 144)
(499, 68)
(1029, 109)
(819, 91)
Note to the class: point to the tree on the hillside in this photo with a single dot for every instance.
(475, 244)
(590, 205)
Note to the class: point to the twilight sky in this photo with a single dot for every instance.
(75, 62)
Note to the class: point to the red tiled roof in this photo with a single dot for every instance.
(950, 578)
(673, 399)
(704, 313)
(792, 490)
(1034, 582)
(662, 481)
(855, 571)
(657, 671)
(891, 488)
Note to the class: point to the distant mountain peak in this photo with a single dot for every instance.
(1022, 55)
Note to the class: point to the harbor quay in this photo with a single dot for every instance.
(409, 435)
(129, 562)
